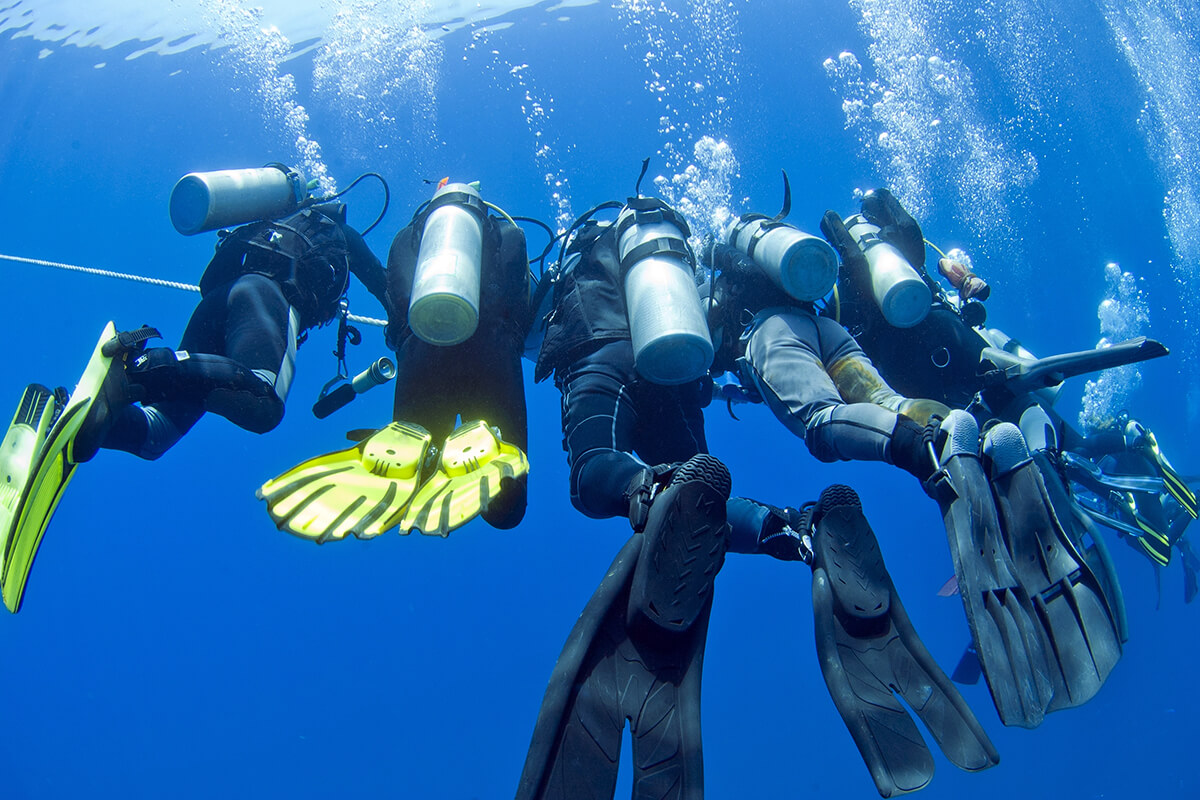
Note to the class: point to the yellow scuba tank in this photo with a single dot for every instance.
(444, 303)
(902, 297)
(802, 265)
(206, 201)
(671, 343)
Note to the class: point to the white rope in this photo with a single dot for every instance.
(184, 287)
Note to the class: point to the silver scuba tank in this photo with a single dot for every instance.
(671, 343)
(804, 266)
(444, 304)
(206, 201)
(902, 296)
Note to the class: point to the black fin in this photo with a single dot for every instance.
(969, 670)
(868, 649)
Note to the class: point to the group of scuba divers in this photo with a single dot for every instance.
(848, 339)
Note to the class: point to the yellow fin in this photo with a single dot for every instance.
(473, 463)
(362, 490)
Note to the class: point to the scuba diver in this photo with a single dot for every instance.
(805, 366)
(457, 300)
(627, 343)
(1121, 476)
(1043, 627)
(268, 282)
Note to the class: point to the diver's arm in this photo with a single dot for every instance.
(365, 265)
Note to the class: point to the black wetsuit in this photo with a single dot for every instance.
(267, 282)
(480, 378)
(616, 424)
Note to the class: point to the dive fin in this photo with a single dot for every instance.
(624, 662)
(1020, 374)
(1002, 619)
(362, 490)
(72, 439)
(30, 424)
(1152, 542)
(1080, 631)
(1101, 562)
(1191, 566)
(475, 464)
(1086, 472)
(1142, 440)
(968, 670)
(868, 649)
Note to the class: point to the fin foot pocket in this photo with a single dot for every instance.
(686, 537)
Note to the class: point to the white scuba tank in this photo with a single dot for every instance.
(444, 303)
(671, 343)
(902, 296)
(206, 201)
(804, 266)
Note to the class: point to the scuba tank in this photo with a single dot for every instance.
(206, 201)
(902, 296)
(444, 304)
(804, 266)
(671, 343)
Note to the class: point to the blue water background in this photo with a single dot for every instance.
(173, 644)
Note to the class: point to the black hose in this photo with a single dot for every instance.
(387, 197)
(541, 258)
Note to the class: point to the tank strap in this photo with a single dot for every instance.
(664, 245)
(470, 202)
(649, 210)
(868, 239)
(740, 226)
(766, 227)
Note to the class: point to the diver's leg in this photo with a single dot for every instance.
(499, 397)
(784, 359)
(858, 381)
(260, 335)
(670, 425)
(237, 356)
(599, 418)
(426, 389)
(150, 431)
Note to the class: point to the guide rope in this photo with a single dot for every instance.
(183, 287)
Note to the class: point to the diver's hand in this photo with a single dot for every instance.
(834, 231)
(896, 226)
